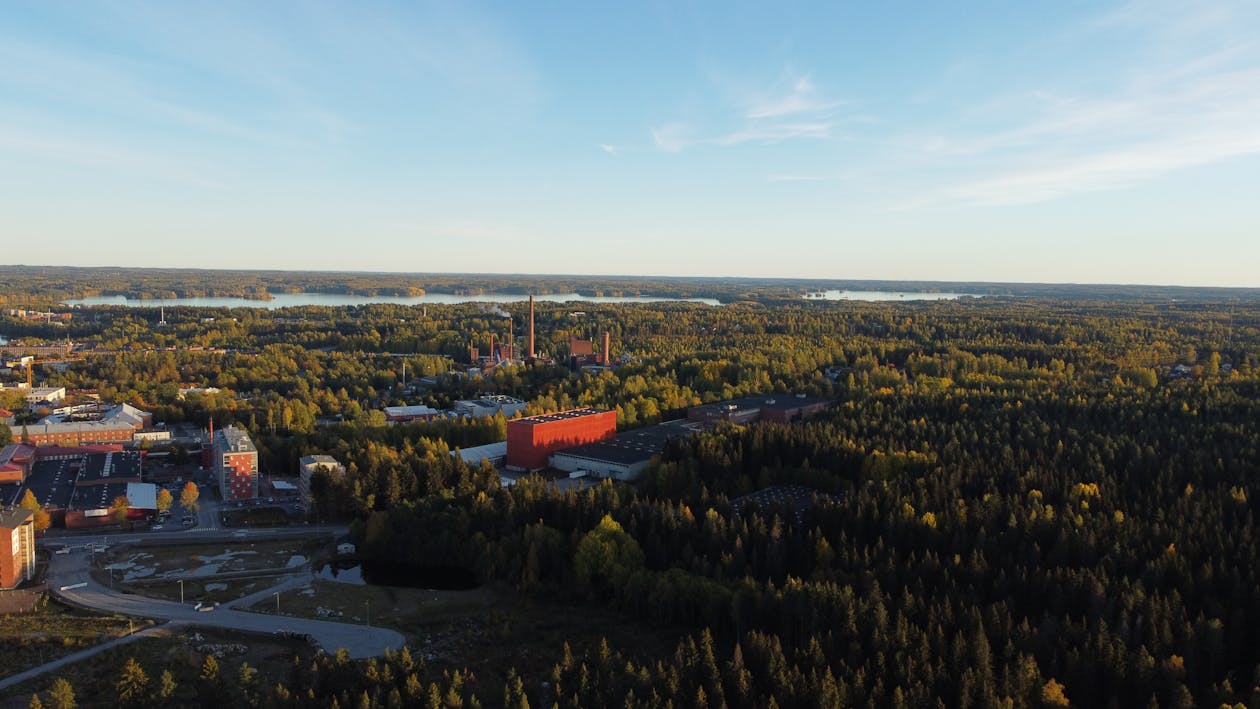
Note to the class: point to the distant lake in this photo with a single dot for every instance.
(292, 300)
(877, 295)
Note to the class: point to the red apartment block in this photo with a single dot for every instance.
(235, 464)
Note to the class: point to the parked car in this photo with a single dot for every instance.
(188, 522)
(205, 607)
(156, 527)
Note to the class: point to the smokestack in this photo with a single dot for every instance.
(493, 356)
(511, 348)
(607, 353)
(532, 354)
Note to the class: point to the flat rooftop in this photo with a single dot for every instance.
(474, 455)
(634, 446)
(416, 410)
(97, 497)
(491, 400)
(558, 416)
(779, 401)
(235, 440)
(110, 466)
(46, 427)
(52, 482)
(12, 518)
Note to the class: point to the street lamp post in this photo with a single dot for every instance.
(277, 595)
(181, 592)
(367, 604)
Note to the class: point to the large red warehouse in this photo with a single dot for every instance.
(532, 440)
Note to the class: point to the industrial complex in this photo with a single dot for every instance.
(585, 442)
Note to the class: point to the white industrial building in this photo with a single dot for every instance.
(404, 414)
(489, 405)
(496, 453)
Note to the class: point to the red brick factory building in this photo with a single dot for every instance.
(532, 440)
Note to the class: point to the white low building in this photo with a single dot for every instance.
(404, 414)
(496, 453)
(489, 405)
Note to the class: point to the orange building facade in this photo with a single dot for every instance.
(17, 547)
(532, 440)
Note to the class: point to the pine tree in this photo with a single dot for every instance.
(132, 684)
(166, 687)
(61, 695)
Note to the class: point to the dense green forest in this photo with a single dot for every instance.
(45, 286)
(1028, 501)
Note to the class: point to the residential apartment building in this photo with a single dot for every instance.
(235, 464)
(17, 546)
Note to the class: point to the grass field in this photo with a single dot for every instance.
(53, 630)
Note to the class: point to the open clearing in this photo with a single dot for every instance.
(486, 630)
(53, 630)
(181, 651)
(215, 572)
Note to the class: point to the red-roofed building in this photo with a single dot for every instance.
(15, 462)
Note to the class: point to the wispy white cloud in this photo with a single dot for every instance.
(1180, 106)
(672, 137)
(608, 148)
(20, 146)
(801, 97)
(790, 109)
(789, 177)
(1092, 145)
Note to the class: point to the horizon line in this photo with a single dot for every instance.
(538, 275)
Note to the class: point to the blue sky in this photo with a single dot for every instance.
(1004, 141)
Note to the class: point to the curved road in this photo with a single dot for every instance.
(72, 569)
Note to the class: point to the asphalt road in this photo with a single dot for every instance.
(72, 569)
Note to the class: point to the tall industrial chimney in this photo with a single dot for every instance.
(511, 346)
(532, 354)
(494, 357)
(607, 352)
